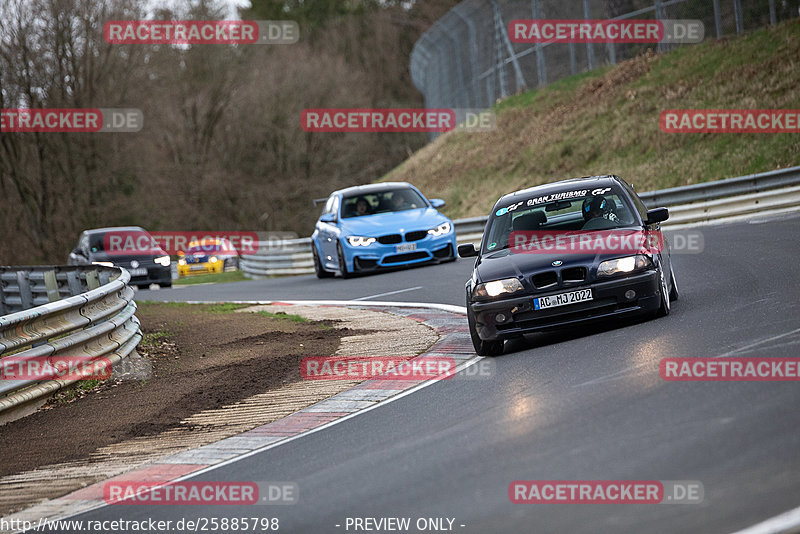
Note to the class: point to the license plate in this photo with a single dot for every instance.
(138, 272)
(406, 247)
(197, 268)
(562, 299)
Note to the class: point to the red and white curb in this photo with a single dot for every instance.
(454, 342)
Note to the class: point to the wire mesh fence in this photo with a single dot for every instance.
(467, 59)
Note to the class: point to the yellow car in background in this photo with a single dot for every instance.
(211, 255)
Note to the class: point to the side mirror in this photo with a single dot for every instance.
(657, 215)
(467, 250)
(437, 203)
(327, 218)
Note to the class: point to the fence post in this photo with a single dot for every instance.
(589, 49)
(659, 16)
(473, 57)
(737, 11)
(773, 19)
(502, 30)
(541, 66)
(717, 19)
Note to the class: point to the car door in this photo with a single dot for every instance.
(327, 231)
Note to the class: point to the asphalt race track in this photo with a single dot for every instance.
(588, 405)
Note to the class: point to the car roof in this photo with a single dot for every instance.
(115, 229)
(371, 188)
(585, 182)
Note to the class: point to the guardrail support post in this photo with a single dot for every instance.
(51, 284)
(25, 293)
(92, 280)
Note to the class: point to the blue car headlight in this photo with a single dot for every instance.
(360, 241)
(442, 229)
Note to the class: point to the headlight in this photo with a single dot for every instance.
(212, 259)
(162, 260)
(181, 262)
(358, 241)
(442, 229)
(103, 263)
(497, 287)
(623, 265)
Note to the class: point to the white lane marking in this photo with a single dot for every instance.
(269, 446)
(757, 343)
(785, 522)
(390, 293)
(626, 371)
(445, 307)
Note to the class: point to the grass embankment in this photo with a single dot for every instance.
(607, 122)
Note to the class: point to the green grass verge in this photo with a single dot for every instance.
(215, 278)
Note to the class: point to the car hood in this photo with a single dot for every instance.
(506, 264)
(391, 223)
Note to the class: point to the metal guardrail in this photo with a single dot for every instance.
(84, 311)
(691, 204)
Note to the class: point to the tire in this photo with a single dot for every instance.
(664, 308)
(482, 347)
(318, 268)
(342, 263)
(673, 293)
(168, 284)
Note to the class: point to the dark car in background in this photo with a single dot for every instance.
(586, 263)
(147, 264)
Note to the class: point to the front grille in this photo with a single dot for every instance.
(400, 258)
(573, 275)
(543, 280)
(416, 236)
(390, 239)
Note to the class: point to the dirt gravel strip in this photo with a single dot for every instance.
(437, 333)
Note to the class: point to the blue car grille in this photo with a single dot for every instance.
(416, 236)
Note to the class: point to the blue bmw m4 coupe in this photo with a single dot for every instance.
(372, 227)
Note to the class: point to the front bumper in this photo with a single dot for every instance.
(156, 274)
(609, 301)
(377, 256)
(200, 268)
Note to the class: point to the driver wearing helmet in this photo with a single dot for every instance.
(598, 213)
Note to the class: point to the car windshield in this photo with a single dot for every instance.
(96, 242)
(382, 202)
(585, 210)
(206, 248)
